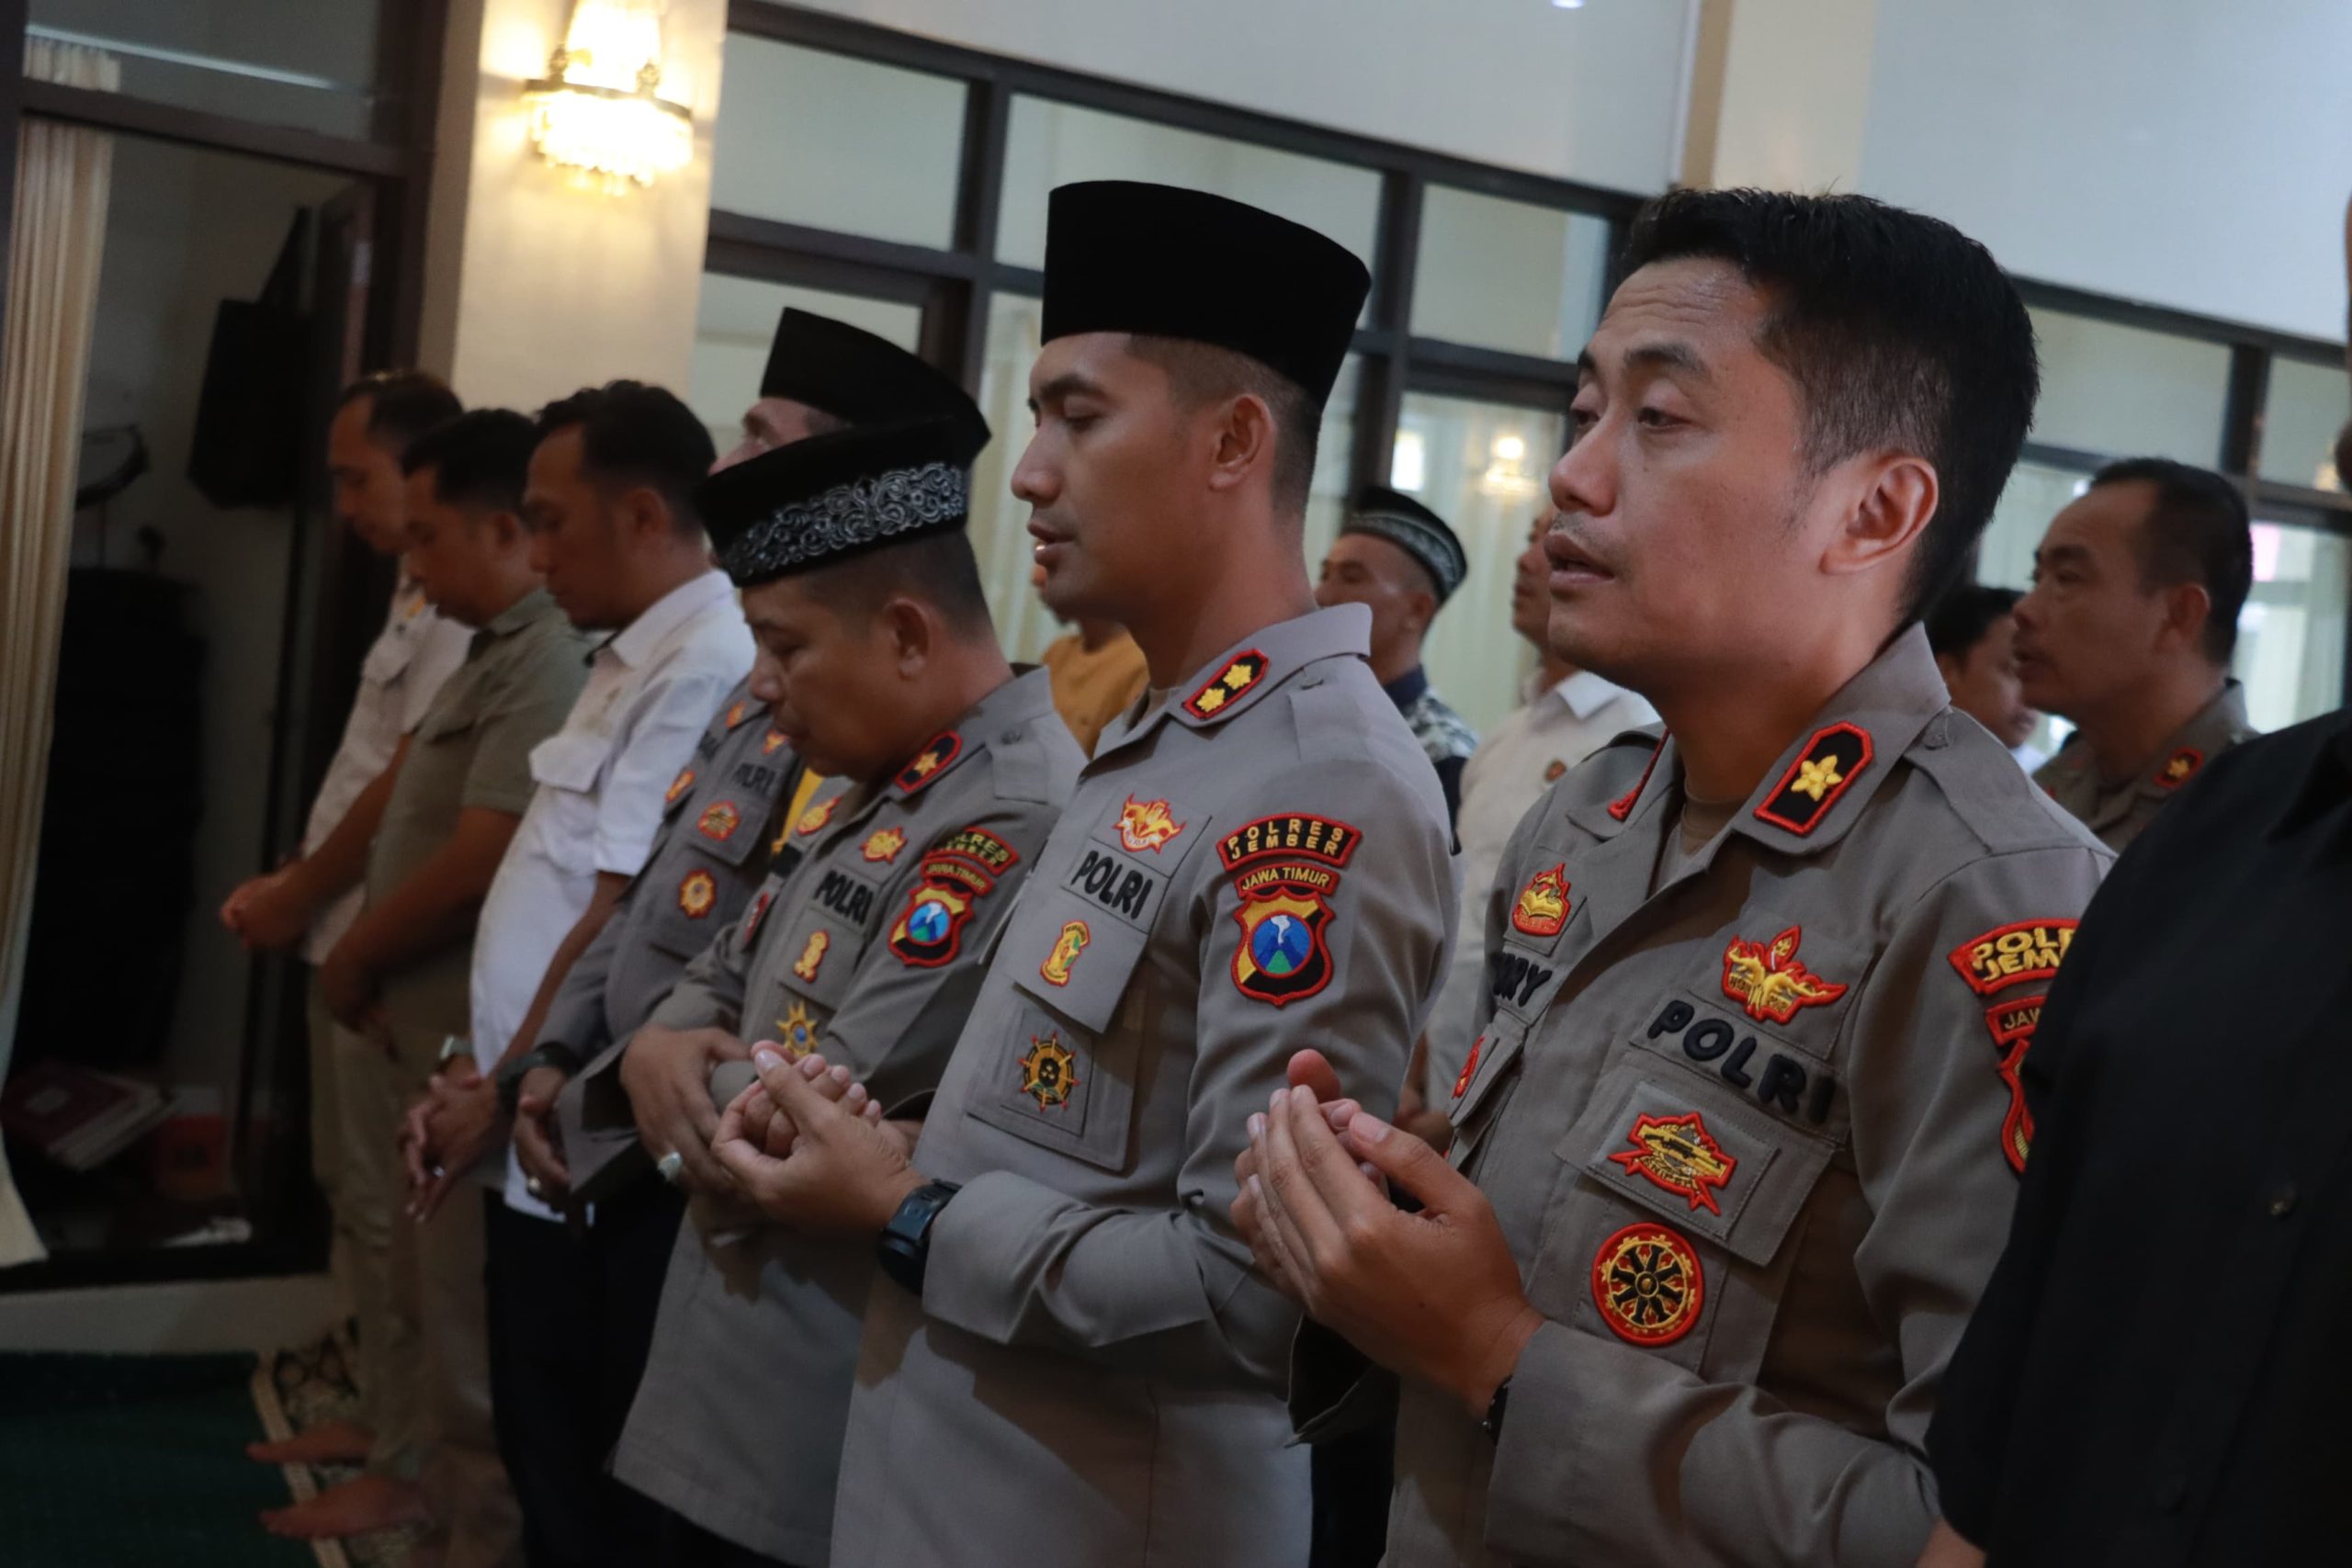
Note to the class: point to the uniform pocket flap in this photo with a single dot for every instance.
(1486, 1066)
(726, 830)
(1074, 963)
(387, 660)
(1699, 1155)
(571, 760)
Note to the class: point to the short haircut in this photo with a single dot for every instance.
(1202, 373)
(480, 460)
(1901, 332)
(2198, 532)
(1960, 620)
(938, 568)
(402, 405)
(632, 433)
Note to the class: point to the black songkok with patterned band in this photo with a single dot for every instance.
(839, 495)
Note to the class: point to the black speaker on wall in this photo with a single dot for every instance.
(247, 449)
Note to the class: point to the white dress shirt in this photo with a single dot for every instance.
(602, 778)
(1522, 757)
(416, 651)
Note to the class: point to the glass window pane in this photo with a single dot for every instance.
(1000, 520)
(2291, 635)
(1508, 275)
(805, 137)
(734, 324)
(2308, 404)
(2128, 392)
(293, 62)
(1050, 145)
(2036, 493)
(1482, 467)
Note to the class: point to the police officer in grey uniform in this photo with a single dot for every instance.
(2119, 812)
(880, 655)
(1734, 1151)
(1070, 1364)
(722, 820)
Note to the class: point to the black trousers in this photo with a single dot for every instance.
(571, 1324)
(1352, 1477)
(685, 1544)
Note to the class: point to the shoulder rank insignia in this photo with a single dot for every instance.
(813, 820)
(1147, 825)
(931, 761)
(1073, 941)
(796, 1030)
(1543, 906)
(772, 742)
(1623, 807)
(884, 844)
(2180, 767)
(2012, 1025)
(737, 713)
(1769, 982)
(697, 894)
(1648, 1285)
(1556, 770)
(678, 786)
(1822, 772)
(1049, 1071)
(720, 821)
(2013, 955)
(1241, 671)
(1678, 1153)
(805, 967)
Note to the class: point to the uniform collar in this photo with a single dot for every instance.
(643, 637)
(1408, 688)
(1587, 693)
(1000, 717)
(1819, 786)
(2204, 735)
(1245, 673)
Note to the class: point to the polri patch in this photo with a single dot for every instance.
(1767, 979)
(1680, 1154)
(2013, 955)
(1648, 1285)
(1542, 909)
(1818, 779)
(1240, 673)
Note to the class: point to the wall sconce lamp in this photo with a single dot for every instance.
(599, 110)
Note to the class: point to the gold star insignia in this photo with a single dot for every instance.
(924, 764)
(1237, 675)
(1210, 700)
(1816, 779)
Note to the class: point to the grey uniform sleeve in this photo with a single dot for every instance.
(576, 1016)
(1171, 1289)
(1705, 1474)
(709, 995)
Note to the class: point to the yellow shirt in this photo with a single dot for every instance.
(1091, 689)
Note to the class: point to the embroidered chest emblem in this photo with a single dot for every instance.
(1543, 906)
(812, 956)
(772, 742)
(1241, 671)
(1073, 941)
(2180, 767)
(736, 713)
(719, 822)
(1648, 1285)
(1769, 981)
(1680, 1154)
(697, 894)
(1049, 1071)
(813, 820)
(679, 785)
(1147, 825)
(885, 844)
(797, 1031)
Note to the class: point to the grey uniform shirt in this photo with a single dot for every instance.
(713, 852)
(865, 944)
(1093, 1375)
(2119, 813)
(1752, 1137)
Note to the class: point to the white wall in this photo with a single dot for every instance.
(2182, 152)
(1592, 95)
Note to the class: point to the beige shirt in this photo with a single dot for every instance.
(1092, 688)
(2121, 811)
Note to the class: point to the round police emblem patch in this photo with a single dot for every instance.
(1648, 1285)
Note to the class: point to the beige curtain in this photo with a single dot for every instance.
(62, 175)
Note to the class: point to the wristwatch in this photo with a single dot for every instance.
(904, 1246)
(510, 1075)
(1493, 1425)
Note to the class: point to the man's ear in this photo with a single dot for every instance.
(2189, 606)
(911, 632)
(644, 516)
(507, 530)
(1890, 502)
(1245, 441)
(1421, 609)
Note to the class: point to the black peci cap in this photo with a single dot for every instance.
(1127, 257)
(1413, 528)
(858, 377)
(838, 495)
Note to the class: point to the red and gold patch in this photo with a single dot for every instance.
(929, 931)
(796, 1030)
(1469, 1067)
(2012, 1025)
(1324, 839)
(1055, 970)
(1818, 779)
(813, 820)
(759, 911)
(930, 762)
(2012, 955)
(1678, 1153)
(884, 844)
(1623, 807)
(1147, 825)
(1049, 1071)
(1241, 671)
(1282, 957)
(772, 742)
(1767, 979)
(678, 786)
(737, 713)
(2180, 767)
(720, 821)
(812, 956)
(697, 894)
(1556, 770)
(1543, 906)
(1648, 1285)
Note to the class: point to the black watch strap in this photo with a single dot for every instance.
(1493, 1425)
(510, 1075)
(903, 1249)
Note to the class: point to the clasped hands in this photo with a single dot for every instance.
(1435, 1295)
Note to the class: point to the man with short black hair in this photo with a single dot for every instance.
(1972, 634)
(2129, 632)
(1732, 1153)
(1398, 560)
(313, 898)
